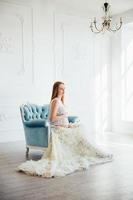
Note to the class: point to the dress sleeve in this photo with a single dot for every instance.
(55, 102)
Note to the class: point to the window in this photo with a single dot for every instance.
(127, 72)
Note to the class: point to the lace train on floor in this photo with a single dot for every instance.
(69, 150)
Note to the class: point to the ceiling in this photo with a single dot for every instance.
(117, 6)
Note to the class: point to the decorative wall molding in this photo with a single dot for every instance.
(6, 44)
(10, 118)
(16, 65)
(2, 117)
(47, 48)
(62, 25)
(12, 135)
(21, 71)
(16, 44)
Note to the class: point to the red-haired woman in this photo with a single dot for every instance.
(69, 149)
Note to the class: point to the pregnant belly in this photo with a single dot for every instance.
(61, 122)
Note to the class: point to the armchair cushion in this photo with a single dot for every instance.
(37, 123)
(73, 119)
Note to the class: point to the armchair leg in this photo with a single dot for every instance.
(27, 151)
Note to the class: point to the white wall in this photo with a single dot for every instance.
(122, 84)
(41, 42)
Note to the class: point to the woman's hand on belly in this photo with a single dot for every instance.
(72, 125)
(60, 126)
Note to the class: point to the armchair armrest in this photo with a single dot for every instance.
(37, 123)
(73, 119)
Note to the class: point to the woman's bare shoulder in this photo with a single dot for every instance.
(55, 100)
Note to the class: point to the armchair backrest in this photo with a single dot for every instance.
(33, 112)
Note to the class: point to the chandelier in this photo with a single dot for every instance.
(106, 24)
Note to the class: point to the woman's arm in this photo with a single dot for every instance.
(54, 108)
(73, 125)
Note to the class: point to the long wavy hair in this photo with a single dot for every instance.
(55, 91)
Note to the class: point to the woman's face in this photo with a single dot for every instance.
(61, 89)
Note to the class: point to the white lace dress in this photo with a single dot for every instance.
(69, 150)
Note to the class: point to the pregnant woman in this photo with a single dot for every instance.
(69, 148)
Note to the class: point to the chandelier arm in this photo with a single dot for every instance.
(97, 28)
(91, 26)
(93, 30)
(119, 26)
(114, 30)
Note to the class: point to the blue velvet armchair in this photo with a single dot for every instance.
(36, 125)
